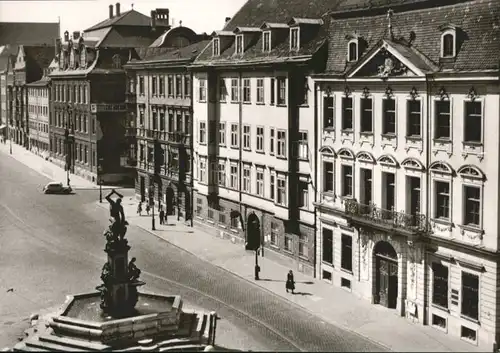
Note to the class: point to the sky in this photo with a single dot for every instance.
(200, 15)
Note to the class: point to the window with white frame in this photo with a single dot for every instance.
(266, 41)
(222, 90)
(260, 139)
(442, 120)
(153, 86)
(202, 136)
(448, 49)
(272, 91)
(213, 170)
(222, 173)
(203, 170)
(246, 90)
(239, 44)
(470, 295)
(281, 190)
(442, 197)
(216, 47)
(414, 118)
(222, 134)
(288, 244)
(352, 50)
(472, 206)
(170, 86)
(305, 91)
(202, 92)
(246, 137)
(328, 177)
(347, 180)
(271, 140)
(141, 85)
(346, 113)
(366, 115)
(389, 116)
(473, 122)
(233, 172)
(294, 38)
(272, 185)
(328, 113)
(260, 90)
(247, 180)
(303, 194)
(281, 90)
(274, 233)
(281, 146)
(303, 248)
(346, 252)
(327, 248)
(234, 135)
(178, 86)
(260, 182)
(234, 90)
(440, 287)
(303, 152)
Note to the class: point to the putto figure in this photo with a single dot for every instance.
(115, 207)
(133, 271)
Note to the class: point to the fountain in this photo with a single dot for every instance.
(118, 316)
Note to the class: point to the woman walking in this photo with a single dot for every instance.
(290, 282)
(139, 209)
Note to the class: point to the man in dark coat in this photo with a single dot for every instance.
(162, 215)
(290, 282)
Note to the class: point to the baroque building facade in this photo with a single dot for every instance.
(254, 129)
(88, 95)
(38, 115)
(159, 97)
(408, 196)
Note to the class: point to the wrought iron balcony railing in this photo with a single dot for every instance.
(371, 214)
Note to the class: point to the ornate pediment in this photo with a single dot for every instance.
(384, 64)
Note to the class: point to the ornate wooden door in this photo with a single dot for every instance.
(382, 281)
(393, 285)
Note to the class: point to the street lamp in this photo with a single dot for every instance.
(69, 136)
(152, 190)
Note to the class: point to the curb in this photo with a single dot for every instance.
(255, 283)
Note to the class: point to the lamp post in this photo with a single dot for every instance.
(152, 190)
(257, 268)
(99, 170)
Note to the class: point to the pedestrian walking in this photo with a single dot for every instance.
(162, 215)
(139, 209)
(148, 208)
(165, 218)
(290, 282)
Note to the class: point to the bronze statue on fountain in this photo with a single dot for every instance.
(119, 289)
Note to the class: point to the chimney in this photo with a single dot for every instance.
(110, 11)
(117, 9)
(76, 35)
(153, 19)
(66, 36)
(227, 20)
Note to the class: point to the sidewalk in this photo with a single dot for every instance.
(46, 168)
(347, 311)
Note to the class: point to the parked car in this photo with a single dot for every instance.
(56, 188)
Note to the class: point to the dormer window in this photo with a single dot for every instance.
(239, 44)
(294, 38)
(448, 44)
(266, 41)
(352, 50)
(216, 47)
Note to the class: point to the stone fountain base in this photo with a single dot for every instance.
(158, 324)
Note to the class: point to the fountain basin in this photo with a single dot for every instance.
(81, 317)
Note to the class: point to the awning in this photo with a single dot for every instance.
(3, 127)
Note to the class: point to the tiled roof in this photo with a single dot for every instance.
(275, 14)
(186, 53)
(28, 33)
(127, 18)
(128, 37)
(478, 34)
(8, 52)
(44, 81)
(358, 5)
(255, 12)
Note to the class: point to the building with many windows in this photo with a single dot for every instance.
(254, 128)
(159, 96)
(88, 94)
(408, 153)
(38, 115)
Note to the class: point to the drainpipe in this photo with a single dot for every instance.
(316, 154)
(191, 126)
(240, 149)
(428, 86)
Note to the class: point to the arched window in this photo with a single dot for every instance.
(471, 172)
(448, 45)
(346, 153)
(365, 157)
(327, 151)
(412, 163)
(388, 160)
(352, 51)
(441, 167)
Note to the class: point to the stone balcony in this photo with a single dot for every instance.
(370, 216)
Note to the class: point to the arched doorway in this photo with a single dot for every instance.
(386, 275)
(169, 200)
(253, 232)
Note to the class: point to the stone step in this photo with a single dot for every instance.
(74, 343)
(37, 345)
